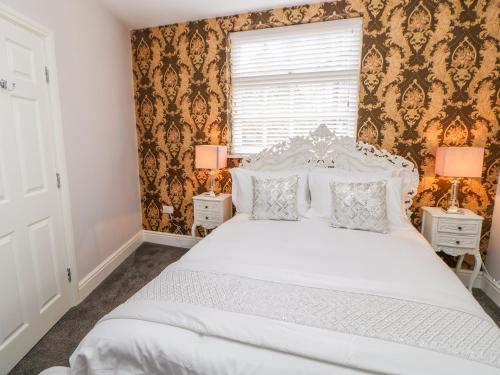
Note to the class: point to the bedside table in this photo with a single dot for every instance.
(210, 212)
(454, 234)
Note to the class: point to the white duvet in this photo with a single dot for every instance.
(155, 337)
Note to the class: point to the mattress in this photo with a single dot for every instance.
(152, 336)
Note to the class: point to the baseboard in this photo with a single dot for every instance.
(492, 289)
(103, 270)
(94, 278)
(464, 276)
(170, 239)
(483, 282)
(98, 274)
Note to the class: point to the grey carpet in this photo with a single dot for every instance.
(488, 305)
(55, 348)
(147, 262)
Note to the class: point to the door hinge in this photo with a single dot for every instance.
(47, 75)
(68, 272)
(58, 177)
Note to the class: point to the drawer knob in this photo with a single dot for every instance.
(207, 207)
(457, 242)
(459, 228)
(206, 217)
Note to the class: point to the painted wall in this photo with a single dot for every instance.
(428, 78)
(493, 258)
(94, 71)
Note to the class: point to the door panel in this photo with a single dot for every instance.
(33, 261)
(27, 124)
(43, 255)
(3, 193)
(20, 60)
(11, 313)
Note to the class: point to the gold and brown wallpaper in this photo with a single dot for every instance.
(429, 77)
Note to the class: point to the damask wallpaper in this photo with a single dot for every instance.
(429, 77)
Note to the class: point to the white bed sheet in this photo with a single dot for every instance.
(309, 252)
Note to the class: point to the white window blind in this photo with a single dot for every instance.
(286, 81)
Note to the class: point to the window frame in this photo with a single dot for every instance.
(356, 22)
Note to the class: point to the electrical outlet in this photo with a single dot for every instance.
(168, 209)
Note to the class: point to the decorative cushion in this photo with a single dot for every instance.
(360, 205)
(319, 185)
(242, 188)
(275, 198)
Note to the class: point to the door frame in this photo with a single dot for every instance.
(47, 35)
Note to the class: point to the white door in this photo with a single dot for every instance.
(34, 289)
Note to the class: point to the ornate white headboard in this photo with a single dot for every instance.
(322, 148)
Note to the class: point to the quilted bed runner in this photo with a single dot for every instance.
(406, 322)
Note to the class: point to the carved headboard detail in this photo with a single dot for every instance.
(323, 149)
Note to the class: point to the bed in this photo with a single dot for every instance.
(300, 297)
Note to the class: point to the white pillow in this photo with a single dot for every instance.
(275, 198)
(319, 186)
(242, 188)
(321, 199)
(360, 205)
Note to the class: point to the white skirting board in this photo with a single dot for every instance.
(103, 270)
(483, 282)
(177, 240)
(94, 278)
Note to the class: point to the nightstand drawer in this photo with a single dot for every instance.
(457, 226)
(456, 241)
(208, 224)
(208, 216)
(206, 205)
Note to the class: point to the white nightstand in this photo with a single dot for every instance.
(454, 234)
(210, 212)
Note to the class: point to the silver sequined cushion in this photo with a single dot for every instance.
(360, 205)
(275, 198)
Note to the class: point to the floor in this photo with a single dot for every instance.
(55, 348)
(147, 262)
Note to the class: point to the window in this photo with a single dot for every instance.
(286, 81)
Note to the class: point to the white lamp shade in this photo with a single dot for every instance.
(459, 161)
(210, 157)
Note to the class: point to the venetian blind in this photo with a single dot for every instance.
(286, 81)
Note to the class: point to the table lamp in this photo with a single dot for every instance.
(213, 158)
(458, 162)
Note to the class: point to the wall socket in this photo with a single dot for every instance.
(168, 209)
